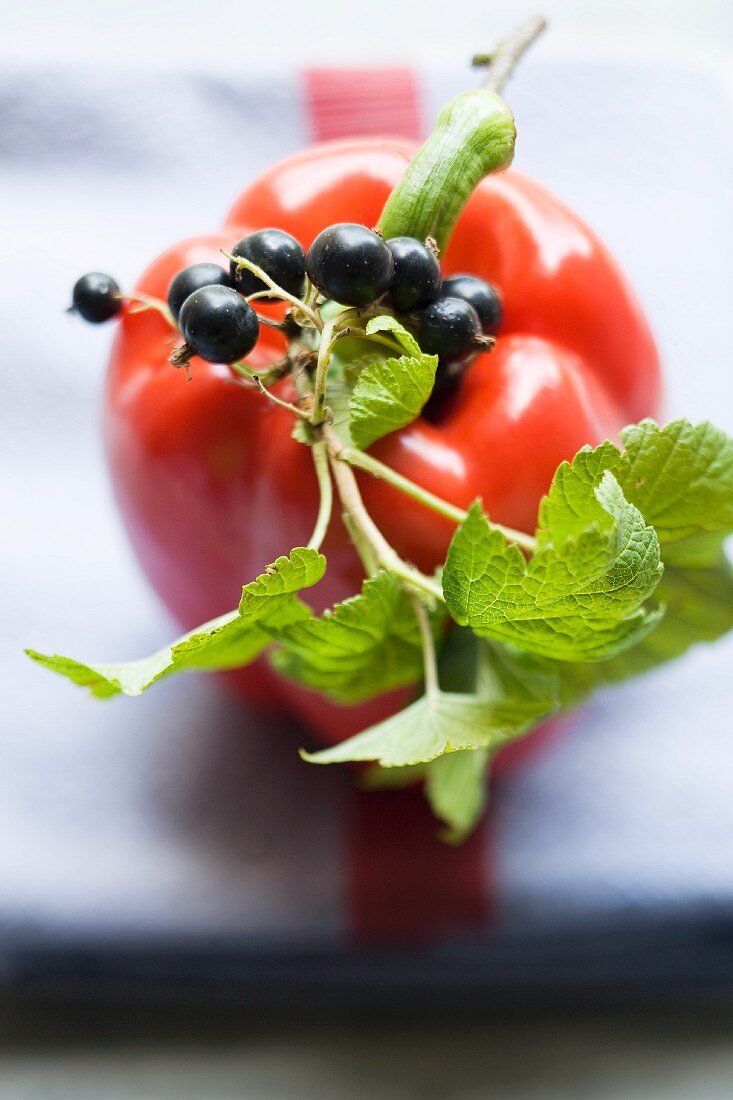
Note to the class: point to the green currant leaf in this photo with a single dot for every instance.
(456, 786)
(680, 477)
(363, 647)
(355, 354)
(521, 688)
(268, 604)
(436, 724)
(699, 608)
(579, 598)
(387, 323)
(444, 722)
(388, 395)
(350, 357)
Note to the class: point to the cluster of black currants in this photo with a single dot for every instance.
(208, 302)
(353, 265)
(347, 263)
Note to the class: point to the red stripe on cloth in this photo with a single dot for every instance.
(404, 884)
(362, 103)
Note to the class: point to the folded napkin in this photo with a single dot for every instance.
(177, 841)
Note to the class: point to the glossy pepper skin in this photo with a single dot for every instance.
(212, 486)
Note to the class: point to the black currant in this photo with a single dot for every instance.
(194, 278)
(278, 254)
(479, 294)
(449, 328)
(350, 264)
(218, 324)
(416, 279)
(96, 297)
(448, 378)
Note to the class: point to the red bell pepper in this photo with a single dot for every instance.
(574, 362)
(620, 567)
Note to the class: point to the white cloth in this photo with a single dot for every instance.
(178, 814)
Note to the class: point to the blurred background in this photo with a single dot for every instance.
(239, 37)
(167, 927)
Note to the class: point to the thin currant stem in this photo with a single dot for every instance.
(311, 295)
(145, 302)
(362, 547)
(378, 469)
(313, 316)
(241, 369)
(303, 385)
(300, 413)
(375, 338)
(486, 680)
(325, 488)
(430, 664)
(324, 358)
(269, 322)
(353, 504)
(332, 333)
(276, 372)
(502, 60)
(260, 295)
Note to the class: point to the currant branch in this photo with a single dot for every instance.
(143, 303)
(319, 451)
(442, 507)
(351, 499)
(300, 308)
(430, 664)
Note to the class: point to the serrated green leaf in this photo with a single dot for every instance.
(680, 477)
(268, 604)
(435, 724)
(444, 722)
(387, 323)
(699, 608)
(388, 395)
(521, 688)
(571, 505)
(363, 647)
(579, 600)
(349, 358)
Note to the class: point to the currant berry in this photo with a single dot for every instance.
(479, 294)
(194, 278)
(278, 254)
(449, 328)
(218, 325)
(96, 297)
(448, 378)
(350, 264)
(416, 279)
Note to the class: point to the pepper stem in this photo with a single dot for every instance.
(473, 137)
(502, 61)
